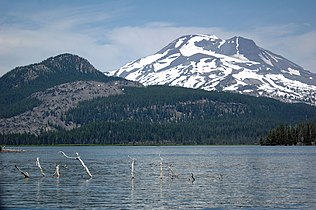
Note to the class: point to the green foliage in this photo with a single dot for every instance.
(134, 133)
(153, 104)
(300, 134)
(171, 115)
(9, 110)
(175, 104)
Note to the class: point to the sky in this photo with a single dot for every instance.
(111, 33)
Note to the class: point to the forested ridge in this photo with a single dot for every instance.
(171, 115)
(298, 134)
(17, 85)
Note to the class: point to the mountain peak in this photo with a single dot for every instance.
(236, 64)
(25, 80)
(69, 62)
(61, 64)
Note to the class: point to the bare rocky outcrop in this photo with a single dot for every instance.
(56, 101)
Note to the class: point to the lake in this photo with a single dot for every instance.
(226, 177)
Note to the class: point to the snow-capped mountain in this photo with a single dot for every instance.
(236, 64)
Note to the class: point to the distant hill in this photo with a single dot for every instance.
(21, 82)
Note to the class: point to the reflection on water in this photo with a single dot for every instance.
(226, 177)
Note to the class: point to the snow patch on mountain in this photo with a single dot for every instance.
(293, 71)
(236, 64)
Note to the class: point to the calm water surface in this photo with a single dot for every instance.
(227, 177)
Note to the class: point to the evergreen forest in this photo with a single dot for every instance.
(299, 134)
(156, 115)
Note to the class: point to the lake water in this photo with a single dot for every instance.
(226, 177)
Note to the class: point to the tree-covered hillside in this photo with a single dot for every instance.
(299, 134)
(21, 82)
(173, 115)
(176, 104)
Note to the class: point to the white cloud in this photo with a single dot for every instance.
(21, 46)
(110, 48)
(289, 41)
(285, 40)
(140, 41)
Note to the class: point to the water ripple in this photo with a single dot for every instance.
(226, 177)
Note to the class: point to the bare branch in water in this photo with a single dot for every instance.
(67, 155)
(84, 166)
(24, 173)
(192, 179)
(79, 159)
(39, 165)
(133, 162)
(57, 171)
(172, 174)
(161, 164)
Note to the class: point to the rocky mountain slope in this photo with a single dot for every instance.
(236, 65)
(18, 84)
(66, 67)
(55, 102)
(34, 98)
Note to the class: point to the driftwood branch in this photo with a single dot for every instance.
(39, 165)
(192, 179)
(161, 165)
(24, 173)
(79, 159)
(132, 170)
(67, 155)
(172, 174)
(57, 171)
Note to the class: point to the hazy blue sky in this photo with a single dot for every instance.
(110, 33)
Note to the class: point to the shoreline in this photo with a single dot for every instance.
(115, 145)
(11, 150)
